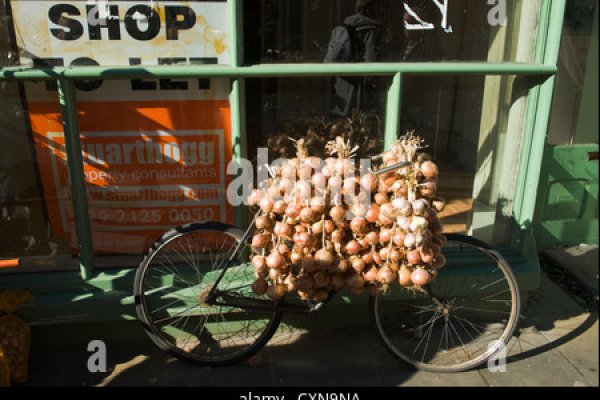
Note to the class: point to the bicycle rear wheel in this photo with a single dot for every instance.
(171, 285)
(468, 314)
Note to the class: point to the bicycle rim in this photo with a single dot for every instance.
(477, 314)
(172, 283)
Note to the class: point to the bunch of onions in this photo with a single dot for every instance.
(323, 227)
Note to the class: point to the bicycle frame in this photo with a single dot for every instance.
(250, 303)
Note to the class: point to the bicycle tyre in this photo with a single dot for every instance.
(182, 263)
(459, 330)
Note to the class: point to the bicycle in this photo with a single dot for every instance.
(194, 298)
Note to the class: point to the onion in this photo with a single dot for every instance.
(404, 276)
(337, 213)
(413, 257)
(303, 190)
(254, 197)
(273, 191)
(290, 283)
(259, 261)
(376, 258)
(275, 260)
(308, 263)
(322, 279)
(383, 220)
(384, 235)
(386, 275)
(439, 204)
(283, 248)
(317, 204)
(305, 172)
(329, 226)
(367, 257)
(352, 247)
(337, 281)
(260, 241)
(381, 198)
(403, 206)
(427, 188)
(264, 222)
(302, 238)
(288, 171)
(337, 236)
(396, 255)
(439, 262)
(296, 257)
(274, 274)
(436, 228)
(293, 210)
(305, 283)
(419, 206)
(307, 214)
(437, 250)
(354, 281)
(317, 227)
(420, 239)
(305, 295)
(372, 238)
(420, 277)
(387, 210)
(319, 181)
(429, 169)
(279, 207)
(368, 182)
(409, 240)
(342, 266)
(404, 223)
(370, 275)
(324, 258)
(426, 255)
(276, 292)
(418, 224)
(349, 186)
(358, 264)
(266, 204)
(384, 253)
(334, 183)
(358, 225)
(398, 238)
(260, 286)
(372, 213)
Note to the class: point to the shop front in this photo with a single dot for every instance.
(119, 120)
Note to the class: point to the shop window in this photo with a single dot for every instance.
(574, 118)
(305, 31)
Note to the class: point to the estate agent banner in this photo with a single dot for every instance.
(154, 150)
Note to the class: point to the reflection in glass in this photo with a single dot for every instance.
(305, 31)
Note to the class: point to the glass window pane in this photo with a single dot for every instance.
(36, 219)
(309, 31)
(117, 33)
(155, 153)
(473, 126)
(574, 119)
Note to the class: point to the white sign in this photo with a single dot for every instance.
(115, 33)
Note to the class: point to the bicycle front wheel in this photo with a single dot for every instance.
(172, 283)
(466, 316)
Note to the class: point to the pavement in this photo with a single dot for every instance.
(557, 346)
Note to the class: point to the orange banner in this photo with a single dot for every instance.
(148, 165)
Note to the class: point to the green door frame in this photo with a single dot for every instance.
(543, 69)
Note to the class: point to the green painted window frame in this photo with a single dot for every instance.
(544, 66)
